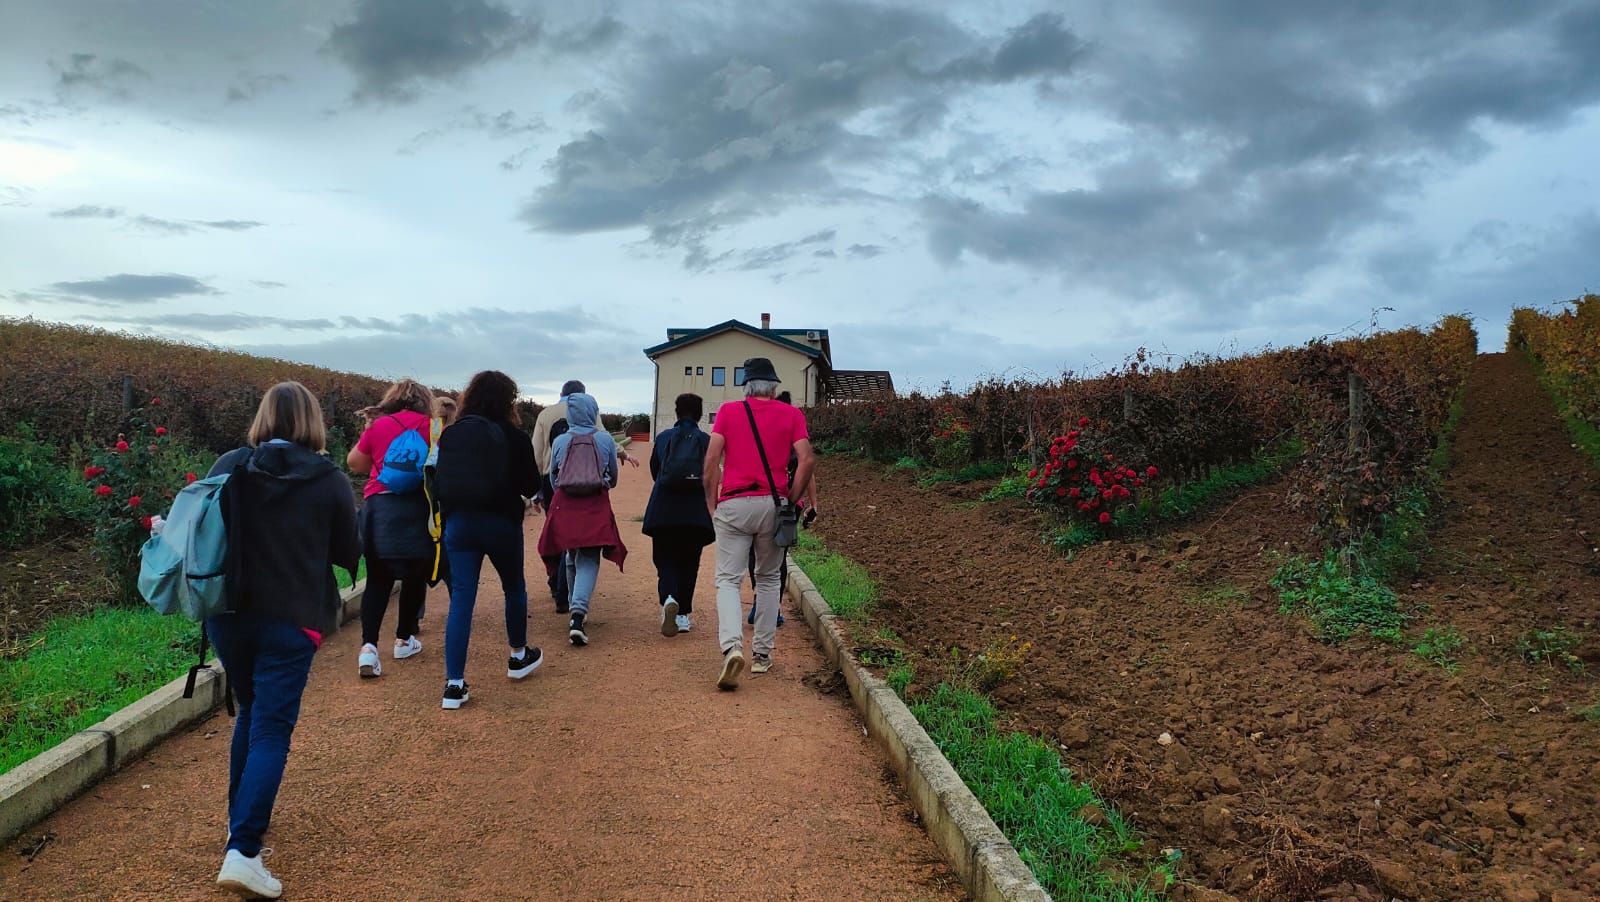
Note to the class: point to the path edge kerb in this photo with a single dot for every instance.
(984, 860)
(34, 789)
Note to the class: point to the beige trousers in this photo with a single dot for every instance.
(741, 522)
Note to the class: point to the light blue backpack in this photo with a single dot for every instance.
(182, 570)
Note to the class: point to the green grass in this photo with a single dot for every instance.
(1591, 713)
(1035, 801)
(87, 667)
(1551, 646)
(987, 469)
(848, 589)
(342, 576)
(1226, 595)
(1339, 603)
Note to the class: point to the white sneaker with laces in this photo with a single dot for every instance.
(368, 662)
(684, 623)
(406, 649)
(669, 617)
(248, 877)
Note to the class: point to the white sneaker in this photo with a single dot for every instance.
(684, 623)
(248, 877)
(403, 650)
(368, 662)
(669, 617)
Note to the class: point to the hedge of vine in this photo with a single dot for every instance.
(1204, 413)
(1566, 345)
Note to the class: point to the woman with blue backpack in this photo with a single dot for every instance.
(291, 518)
(394, 518)
(676, 519)
(583, 467)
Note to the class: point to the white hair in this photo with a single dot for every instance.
(760, 388)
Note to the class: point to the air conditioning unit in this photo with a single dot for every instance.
(813, 335)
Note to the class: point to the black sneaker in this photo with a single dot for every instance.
(561, 606)
(454, 696)
(528, 662)
(575, 631)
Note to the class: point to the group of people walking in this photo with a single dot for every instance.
(447, 488)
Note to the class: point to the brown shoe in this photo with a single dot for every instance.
(732, 666)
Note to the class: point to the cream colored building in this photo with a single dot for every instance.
(710, 363)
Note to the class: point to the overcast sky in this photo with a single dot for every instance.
(955, 189)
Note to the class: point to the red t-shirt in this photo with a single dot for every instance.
(781, 425)
(375, 442)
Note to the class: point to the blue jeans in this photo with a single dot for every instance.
(468, 537)
(583, 569)
(268, 660)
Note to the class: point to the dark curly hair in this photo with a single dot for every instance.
(493, 395)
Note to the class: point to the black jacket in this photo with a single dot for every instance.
(522, 473)
(677, 512)
(291, 516)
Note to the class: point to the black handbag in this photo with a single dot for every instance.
(787, 531)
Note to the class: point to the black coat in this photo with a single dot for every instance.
(678, 512)
(291, 516)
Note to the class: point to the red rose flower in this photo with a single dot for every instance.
(133, 500)
(121, 446)
(189, 477)
(1082, 422)
(1083, 507)
(1076, 492)
(146, 522)
(91, 472)
(1150, 471)
(1033, 474)
(155, 402)
(1072, 465)
(1041, 483)
(1061, 493)
(103, 491)
(1138, 482)
(1122, 491)
(161, 430)
(1105, 517)
(1106, 494)
(1072, 435)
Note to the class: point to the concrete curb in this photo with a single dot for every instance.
(33, 790)
(984, 860)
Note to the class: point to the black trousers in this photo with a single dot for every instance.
(381, 577)
(677, 561)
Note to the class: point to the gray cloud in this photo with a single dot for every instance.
(90, 74)
(749, 118)
(130, 288)
(249, 86)
(774, 254)
(497, 126)
(88, 211)
(224, 322)
(394, 46)
(154, 223)
(864, 251)
(262, 283)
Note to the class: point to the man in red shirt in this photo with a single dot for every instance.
(739, 494)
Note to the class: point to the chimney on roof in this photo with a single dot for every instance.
(766, 321)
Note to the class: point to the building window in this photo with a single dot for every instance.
(688, 371)
(738, 375)
(719, 375)
(712, 421)
(699, 371)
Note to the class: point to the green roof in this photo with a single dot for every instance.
(773, 335)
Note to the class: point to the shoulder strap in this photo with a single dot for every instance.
(761, 449)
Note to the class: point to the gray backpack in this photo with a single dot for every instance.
(581, 473)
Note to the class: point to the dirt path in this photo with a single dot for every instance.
(617, 771)
(1294, 766)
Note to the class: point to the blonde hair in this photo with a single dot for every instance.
(290, 411)
(444, 407)
(409, 395)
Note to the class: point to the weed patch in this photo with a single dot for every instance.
(1338, 602)
(1442, 647)
(969, 473)
(1223, 596)
(1552, 646)
(1591, 713)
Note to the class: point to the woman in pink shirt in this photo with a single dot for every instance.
(394, 518)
